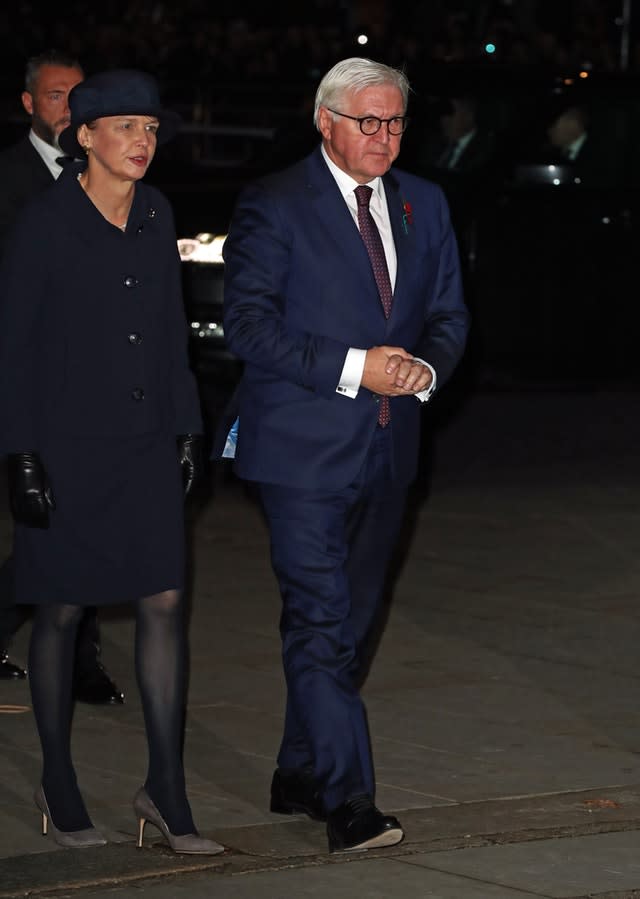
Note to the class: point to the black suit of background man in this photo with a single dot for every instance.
(459, 152)
(456, 141)
(27, 168)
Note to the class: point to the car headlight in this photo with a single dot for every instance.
(202, 248)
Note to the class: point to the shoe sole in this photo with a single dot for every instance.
(388, 838)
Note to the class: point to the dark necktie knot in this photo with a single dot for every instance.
(363, 194)
(64, 160)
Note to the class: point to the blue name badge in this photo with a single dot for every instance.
(229, 451)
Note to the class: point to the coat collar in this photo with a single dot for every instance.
(75, 207)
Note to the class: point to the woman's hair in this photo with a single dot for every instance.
(354, 75)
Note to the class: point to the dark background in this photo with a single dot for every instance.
(550, 270)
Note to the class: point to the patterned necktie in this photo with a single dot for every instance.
(373, 242)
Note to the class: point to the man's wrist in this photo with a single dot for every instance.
(352, 371)
(427, 393)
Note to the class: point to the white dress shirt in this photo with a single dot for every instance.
(353, 369)
(48, 153)
(461, 145)
(574, 148)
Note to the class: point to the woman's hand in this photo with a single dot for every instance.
(30, 494)
(190, 457)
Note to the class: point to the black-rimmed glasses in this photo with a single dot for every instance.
(371, 124)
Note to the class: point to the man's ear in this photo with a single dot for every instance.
(325, 120)
(27, 102)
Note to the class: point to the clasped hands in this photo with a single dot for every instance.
(392, 371)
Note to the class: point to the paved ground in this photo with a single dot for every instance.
(504, 700)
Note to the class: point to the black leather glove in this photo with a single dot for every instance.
(30, 494)
(191, 459)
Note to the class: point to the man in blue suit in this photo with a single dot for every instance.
(343, 298)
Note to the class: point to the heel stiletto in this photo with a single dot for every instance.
(190, 843)
(70, 839)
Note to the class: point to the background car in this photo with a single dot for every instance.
(203, 287)
(548, 247)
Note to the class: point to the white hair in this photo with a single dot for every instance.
(354, 75)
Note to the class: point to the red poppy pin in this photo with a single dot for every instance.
(407, 215)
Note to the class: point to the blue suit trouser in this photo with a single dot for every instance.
(330, 551)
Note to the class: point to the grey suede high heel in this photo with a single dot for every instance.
(189, 843)
(70, 839)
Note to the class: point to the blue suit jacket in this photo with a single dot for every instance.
(299, 291)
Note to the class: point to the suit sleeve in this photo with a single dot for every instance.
(446, 319)
(23, 175)
(257, 263)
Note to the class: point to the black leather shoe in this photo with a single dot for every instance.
(96, 687)
(9, 671)
(358, 824)
(295, 792)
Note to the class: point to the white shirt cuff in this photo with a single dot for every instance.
(424, 395)
(352, 372)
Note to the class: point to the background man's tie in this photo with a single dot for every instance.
(373, 242)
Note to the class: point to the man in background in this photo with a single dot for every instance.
(26, 168)
(573, 142)
(459, 153)
(462, 145)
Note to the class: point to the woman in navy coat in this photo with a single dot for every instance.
(99, 417)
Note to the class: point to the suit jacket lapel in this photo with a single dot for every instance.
(38, 169)
(334, 214)
(333, 211)
(403, 233)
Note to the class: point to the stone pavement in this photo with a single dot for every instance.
(503, 702)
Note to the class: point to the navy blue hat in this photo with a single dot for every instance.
(116, 92)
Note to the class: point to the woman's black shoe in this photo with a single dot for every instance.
(358, 824)
(9, 671)
(97, 688)
(295, 792)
